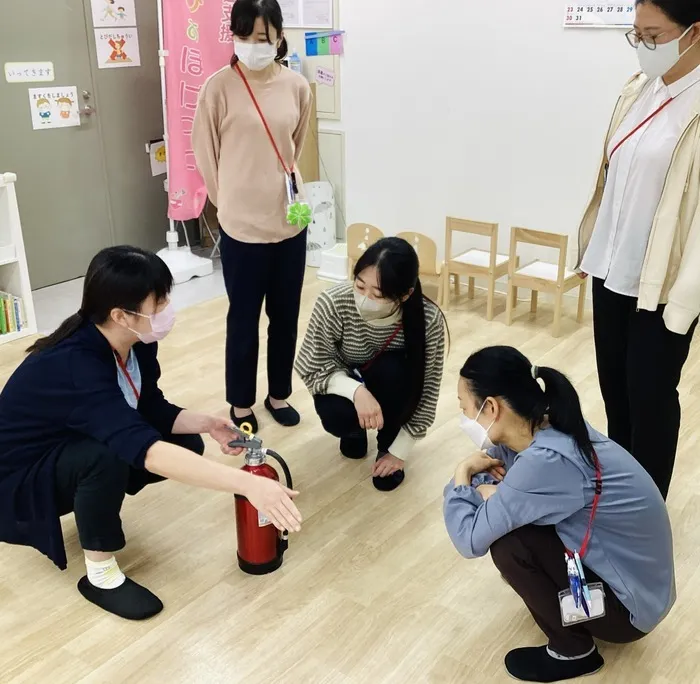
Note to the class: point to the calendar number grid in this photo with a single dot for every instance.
(599, 14)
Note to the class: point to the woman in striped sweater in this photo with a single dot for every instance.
(373, 356)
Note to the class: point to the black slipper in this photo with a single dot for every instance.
(390, 482)
(354, 446)
(130, 601)
(249, 421)
(536, 665)
(286, 417)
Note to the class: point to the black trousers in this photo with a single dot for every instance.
(91, 482)
(253, 273)
(639, 368)
(387, 380)
(531, 559)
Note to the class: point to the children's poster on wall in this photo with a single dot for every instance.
(119, 48)
(159, 162)
(110, 13)
(54, 107)
(307, 13)
(599, 14)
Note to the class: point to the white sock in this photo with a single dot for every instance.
(558, 656)
(104, 574)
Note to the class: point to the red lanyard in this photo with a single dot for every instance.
(641, 125)
(122, 367)
(289, 171)
(385, 346)
(594, 507)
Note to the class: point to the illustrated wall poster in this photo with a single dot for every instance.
(307, 13)
(198, 39)
(29, 72)
(111, 13)
(118, 48)
(54, 107)
(159, 162)
(599, 14)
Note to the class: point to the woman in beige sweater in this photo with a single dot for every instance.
(248, 168)
(640, 237)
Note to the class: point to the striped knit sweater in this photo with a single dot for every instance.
(339, 339)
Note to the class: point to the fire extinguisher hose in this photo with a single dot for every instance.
(283, 465)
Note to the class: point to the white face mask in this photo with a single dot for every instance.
(656, 63)
(476, 432)
(256, 56)
(373, 309)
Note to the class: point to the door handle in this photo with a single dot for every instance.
(87, 110)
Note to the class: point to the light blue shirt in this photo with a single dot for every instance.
(132, 366)
(550, 483)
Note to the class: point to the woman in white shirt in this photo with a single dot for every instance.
(640, 237)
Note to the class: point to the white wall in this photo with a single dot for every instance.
(484, 110)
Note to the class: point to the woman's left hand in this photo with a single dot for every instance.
(221, 430)
(387, 465)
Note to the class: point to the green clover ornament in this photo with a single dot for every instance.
(299, 214)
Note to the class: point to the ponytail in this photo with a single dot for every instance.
(413, 316)
(68, 328)
(564, 409)
(506, 373)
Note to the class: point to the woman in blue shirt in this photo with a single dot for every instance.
(528, 496)
(83, 422)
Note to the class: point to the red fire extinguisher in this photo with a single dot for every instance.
(261, 546)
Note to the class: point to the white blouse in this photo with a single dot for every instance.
(635, 183)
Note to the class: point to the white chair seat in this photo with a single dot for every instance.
(478, 257)
(543, 271)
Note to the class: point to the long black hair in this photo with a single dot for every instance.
(684, 12)
(244, 14)
(117, 278)
(505, 373)
(397, 267)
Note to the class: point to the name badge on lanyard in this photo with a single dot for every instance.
(582, 602)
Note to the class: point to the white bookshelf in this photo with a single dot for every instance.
(14, 274)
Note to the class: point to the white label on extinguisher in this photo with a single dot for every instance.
(263, 520)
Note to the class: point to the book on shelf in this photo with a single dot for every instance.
(12, 315)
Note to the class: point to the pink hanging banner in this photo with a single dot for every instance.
(198, 39)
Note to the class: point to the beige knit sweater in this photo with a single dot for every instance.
(241, 171)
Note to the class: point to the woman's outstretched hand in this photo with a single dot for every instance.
(274, 501)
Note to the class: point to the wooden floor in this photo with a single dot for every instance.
(371, 591)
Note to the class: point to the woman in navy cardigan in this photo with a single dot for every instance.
(83, 422)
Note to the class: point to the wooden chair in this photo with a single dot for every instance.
(427, 256)
(540, 276)
(474, 263)
(360, 236)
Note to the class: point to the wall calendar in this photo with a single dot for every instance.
(599, 14)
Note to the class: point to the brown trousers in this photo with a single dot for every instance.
(531, 559)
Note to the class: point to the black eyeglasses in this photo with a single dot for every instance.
(634, 39)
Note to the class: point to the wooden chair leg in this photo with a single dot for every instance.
(457, 285)
(581, 301)
(510, 304)
(533, 302)
(514, 295)
(489, 298)
(471, 288)
(559, 300)
(441, 290)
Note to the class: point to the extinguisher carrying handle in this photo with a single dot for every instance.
(283, 465)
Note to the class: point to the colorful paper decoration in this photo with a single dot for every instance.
(322, 43)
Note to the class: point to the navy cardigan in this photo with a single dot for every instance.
(66, 393)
